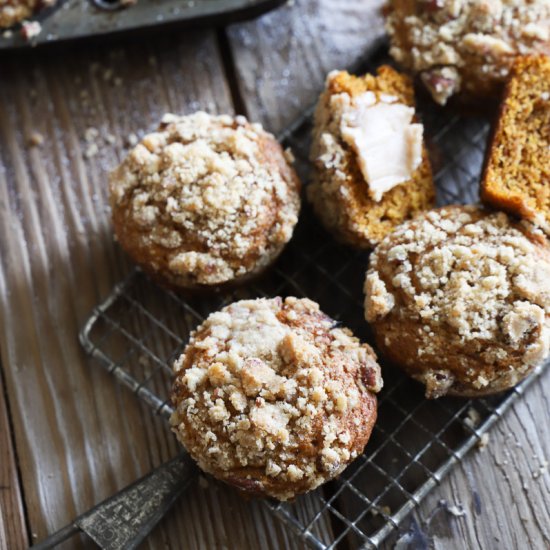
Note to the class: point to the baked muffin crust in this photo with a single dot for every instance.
(204, 200)
(460, 299)
(271, 397)
(465, 46)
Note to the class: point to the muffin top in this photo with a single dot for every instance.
(466, 290)
(272, 397)
(205, 199)
(466, 45)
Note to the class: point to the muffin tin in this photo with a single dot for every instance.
(78, 19)
(141, 328)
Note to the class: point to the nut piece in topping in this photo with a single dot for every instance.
(271, 397)
(460, 299)
(30, 29)
(371, 170)
(205, 200)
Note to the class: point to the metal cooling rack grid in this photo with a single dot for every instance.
(140, 329)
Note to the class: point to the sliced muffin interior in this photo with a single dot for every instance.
(371, 166)
(517, 171)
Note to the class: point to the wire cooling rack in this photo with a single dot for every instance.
(141, 328)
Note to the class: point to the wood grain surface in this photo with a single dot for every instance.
(13, 531)
(77, 437)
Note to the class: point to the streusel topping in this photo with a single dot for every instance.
(13, 11)
(441, 39)
(204, 189)
(470, 277)
(263, 380)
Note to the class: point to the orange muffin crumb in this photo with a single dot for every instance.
(342, 198)
(517, 173)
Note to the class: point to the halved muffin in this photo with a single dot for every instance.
(517, 172)
(459, 298)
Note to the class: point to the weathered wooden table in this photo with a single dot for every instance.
(69, 437)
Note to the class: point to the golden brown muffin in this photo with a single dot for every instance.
(460, 299)
(371, 169)
(205, 200)
(465, 47)
(273, 398)
(14, 11)
(517, 170)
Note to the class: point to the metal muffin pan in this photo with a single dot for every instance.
(78, 19)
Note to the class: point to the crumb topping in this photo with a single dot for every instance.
(474, 278)
(341, 190)
(444, 40)
(14, 11)
(275, 389)
(205, 190)
(30, 29)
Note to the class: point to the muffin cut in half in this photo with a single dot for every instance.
(371, 169)
(459, 298)
(517, 170)
(272, 397)
(205, 201)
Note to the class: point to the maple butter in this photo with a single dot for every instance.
(387, 142)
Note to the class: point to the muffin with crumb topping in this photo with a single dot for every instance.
(465, 47)
(460, 299)
(272, 397)
(204, 201)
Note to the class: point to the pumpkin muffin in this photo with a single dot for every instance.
(465, 47)
(517, 171)
(204, 201)
(460, 299)
(273, 398)
(371, 169)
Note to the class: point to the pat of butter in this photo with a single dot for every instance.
(388, 145)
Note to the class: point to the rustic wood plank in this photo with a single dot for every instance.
(13, 532)
(79, 437)
(281, 61)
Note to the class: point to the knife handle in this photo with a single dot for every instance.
(125, 519)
